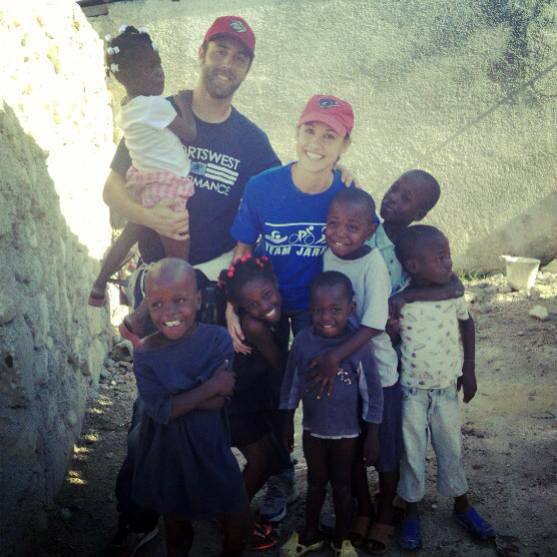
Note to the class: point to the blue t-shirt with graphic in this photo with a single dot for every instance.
(223, 157)
(291, 225)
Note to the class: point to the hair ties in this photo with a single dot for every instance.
(114, 68)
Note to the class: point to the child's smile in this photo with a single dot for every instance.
(261, 299)
(173, 302)
(330, 309)
(348, 227)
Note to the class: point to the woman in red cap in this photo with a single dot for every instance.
(287, 206)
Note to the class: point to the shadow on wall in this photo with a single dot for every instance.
(520, 236)
(52, 346)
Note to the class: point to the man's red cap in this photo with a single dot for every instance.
(329, 110)
(232, 26)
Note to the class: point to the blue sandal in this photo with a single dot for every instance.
(410, 537)
(477, 527)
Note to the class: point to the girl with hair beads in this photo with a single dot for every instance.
(183, 466)
(250, 286)
(152, 128)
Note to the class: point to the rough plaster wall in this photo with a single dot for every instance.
(52, 345)
(53, 78)
(416, 72)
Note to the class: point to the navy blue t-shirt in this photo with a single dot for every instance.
(291, 224)
(223, 158)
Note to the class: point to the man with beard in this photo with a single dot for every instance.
(227, 151)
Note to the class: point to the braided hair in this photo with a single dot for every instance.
(242, 271)
(123, 49)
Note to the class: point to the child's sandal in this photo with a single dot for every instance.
(96, 301)
(472, 521)
(293, 547)
(410, 537)
(345, 550)
(261, 538)
(379, 535)
(126, 332)
(359, 530)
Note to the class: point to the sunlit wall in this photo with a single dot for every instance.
(466, 90)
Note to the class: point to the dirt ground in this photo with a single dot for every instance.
(509, 431)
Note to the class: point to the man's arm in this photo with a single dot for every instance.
(160, 218)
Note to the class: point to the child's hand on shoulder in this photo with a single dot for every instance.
(396, 301)
(467, 381)
(223, 380)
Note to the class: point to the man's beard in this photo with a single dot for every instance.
(216, 90)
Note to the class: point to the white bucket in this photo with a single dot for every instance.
(521, 271)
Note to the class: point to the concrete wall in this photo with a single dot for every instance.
(55, 134)
(416, 72)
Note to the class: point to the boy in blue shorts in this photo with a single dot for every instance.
(432, 373)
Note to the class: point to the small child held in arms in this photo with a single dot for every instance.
(432, 373)
(332, 423)
(152, 130)
(251, 287)
(183, 466)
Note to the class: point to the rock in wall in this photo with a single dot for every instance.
(53, 112)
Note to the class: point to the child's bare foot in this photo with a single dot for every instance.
(97, 296)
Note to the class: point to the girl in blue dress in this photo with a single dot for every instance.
(184, 468)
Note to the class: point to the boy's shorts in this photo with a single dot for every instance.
(149, 188)
(390, 432)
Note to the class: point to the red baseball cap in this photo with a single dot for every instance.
(232, 26)
(329, 110)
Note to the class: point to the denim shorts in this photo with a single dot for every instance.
(433, 411)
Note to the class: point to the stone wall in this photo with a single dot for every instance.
(55, 144)
(417, 73)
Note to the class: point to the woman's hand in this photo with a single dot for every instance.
(235, 330)
(346, 176)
